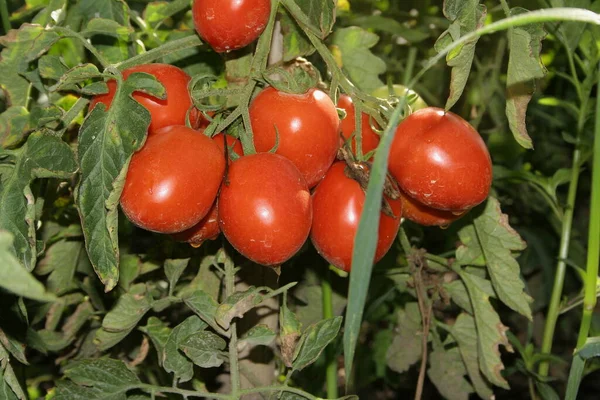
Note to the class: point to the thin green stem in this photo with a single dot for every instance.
(71, 33)
(565, 240)
(5, 17)
(331, 372)
(159, 52)
(410, 65)
(593, 255)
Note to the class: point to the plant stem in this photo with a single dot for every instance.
(410, 66)
(5, 17)
(331, 372)
(166, 49)
(234, 369)
(593, 255)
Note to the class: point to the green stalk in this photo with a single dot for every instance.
(410, 66)
(331, 372)
(593, 255)
(5, 17)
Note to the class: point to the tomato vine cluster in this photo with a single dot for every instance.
(268, 204)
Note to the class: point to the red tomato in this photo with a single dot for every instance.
(265, 209)
(370, 139)
(230, 24)
(232, 144)
(173, 180)
(170, 111)
(338, 204)
(440, 160)
(426, 216)
(308, 127)
(206, 229)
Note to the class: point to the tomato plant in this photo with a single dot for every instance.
(166, 189)
(441, 161)
(265, 210)
(306, 126)
(172, 110)
(338, 203)
(230, 24)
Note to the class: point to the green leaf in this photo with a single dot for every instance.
(361, 65)
(466, 17)
(115, 10)
(546, 391)
(101, 26)
(75, 76)
(412, 34)
(156, 12)
(62, 259)
(15, 278)
(569, 33)
(57, 341)
(110, 378)
(495, 239)
(14, 125)
(447, 372)
(12, 346)
(42, 156)
(125, 315)
(236, 305)
(173, 271)
(314, 340)
(159, 333)
(204, 349)
(203, 305)
(312, 296)
(490, 331)
(321, 14)
(6, 392)
(258, 335)
(52, 67)
(289, 333)
(295, 42)
(21, 47)
(406, 347)
(173, 360)
(575, 376)
(106, 142)
(465, 333)
(524, 67)
(590, 349)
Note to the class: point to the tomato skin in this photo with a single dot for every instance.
(370, 139)
(170, 111)
(232, 143)
(440, 160)
(338, 203)
(426, 216)
(308, 127)
(230, 24)
(206, 229)
(265, 209)
(172, 182)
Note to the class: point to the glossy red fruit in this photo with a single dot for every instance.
(265, 210)
(308, 128)
(206, 229)
(370, 139)
(337, 207)
(440, 160)
(232, 144)
(426, 216)
(230, 24)
(170, 111)
(172, 182)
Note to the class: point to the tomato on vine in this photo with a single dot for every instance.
(440, 160)
(337, 206)
(370, 139)
(172, 182)
(265, 209)
(170, 111)
(230, 24)
(426, 216)
(233, 145)
(307, 126)
(206, 229)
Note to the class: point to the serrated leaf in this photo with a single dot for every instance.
(490, 331)
(102, 26)
(57, 341)
(314, 340)
(62, 259)
(74, 76)
(203, 305)
(110, 378)
(15, 278)
(406, 347)
(466, 17)
(524, 67)
(21, 47)
(67, 390)
(159, 333)
(14, 125)
(259, 335)
(52, 67)
(447, 372)
(125, 315)
(42, 156)
(173, 360)
(320, 13)
(494, 237)
(106, 142)
(174, 269)
(361, 65)
(236, 305)
(204, 349)
(465, 334)
(295, 42)
(115, 10)
(156, 12)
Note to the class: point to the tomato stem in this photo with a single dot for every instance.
(330, 354)
(5, 17)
